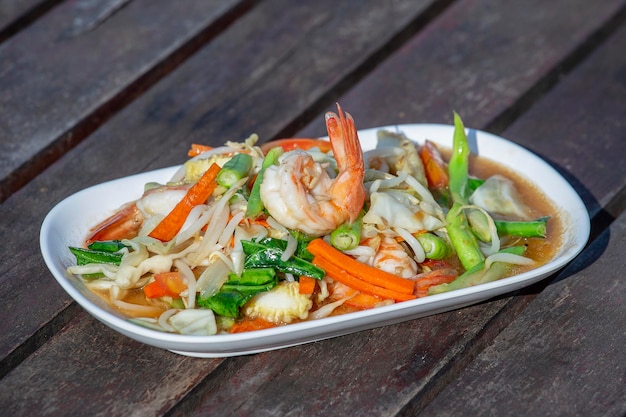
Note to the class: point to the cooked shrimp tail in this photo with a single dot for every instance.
(301, 195)
(349, 156)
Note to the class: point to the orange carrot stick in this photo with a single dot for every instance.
(374, 276)
(197, 149)
(339, 274)
(197, 194)
(307, 285)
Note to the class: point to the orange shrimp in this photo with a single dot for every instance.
(301, 195)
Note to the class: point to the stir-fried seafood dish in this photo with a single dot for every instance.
(246, 237)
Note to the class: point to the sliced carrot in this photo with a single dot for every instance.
(435, 167)
(435, 277)
(248, 325)
(339, 274)
(307, 285)
(196, 149)
(197, 194)
(290, 144)
(169, 284)
(363, 301)
(374, 276)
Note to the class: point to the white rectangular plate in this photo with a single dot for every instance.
(68, 223)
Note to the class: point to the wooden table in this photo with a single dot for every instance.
(96, 90)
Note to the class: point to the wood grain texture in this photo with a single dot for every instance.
(564, 356)
(285, 64)
(121, 376)
(477, 59)
(17, 14)
(82, 62)
(202, 101)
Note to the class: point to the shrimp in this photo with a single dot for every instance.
(391, 256)
(301, 195)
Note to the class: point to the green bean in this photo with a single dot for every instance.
(234, 169)
(462, 238)
(534, 228)
(458, 167)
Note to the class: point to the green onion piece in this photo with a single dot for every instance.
(459, 163)
(234, 169)
(462, 238)
(534, 228)
(255, 205)
(479, 274)
(434, 246)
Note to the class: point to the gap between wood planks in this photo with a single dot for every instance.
(552, 78)
(28, 17)
(82, 129)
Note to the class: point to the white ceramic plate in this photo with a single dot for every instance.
(68, 223)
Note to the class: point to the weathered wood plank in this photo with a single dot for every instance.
(523, 367)
(564, 356)
(67, 72)
(339, 386)
(162, 380)
(162, 126)
(204, 100)
(16, 14)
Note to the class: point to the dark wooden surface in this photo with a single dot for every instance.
(96, 90)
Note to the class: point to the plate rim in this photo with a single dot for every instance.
(299, 333)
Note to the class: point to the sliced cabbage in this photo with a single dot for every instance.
(198, 322)
(392, 208)
(396, 153)
(498, 195)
